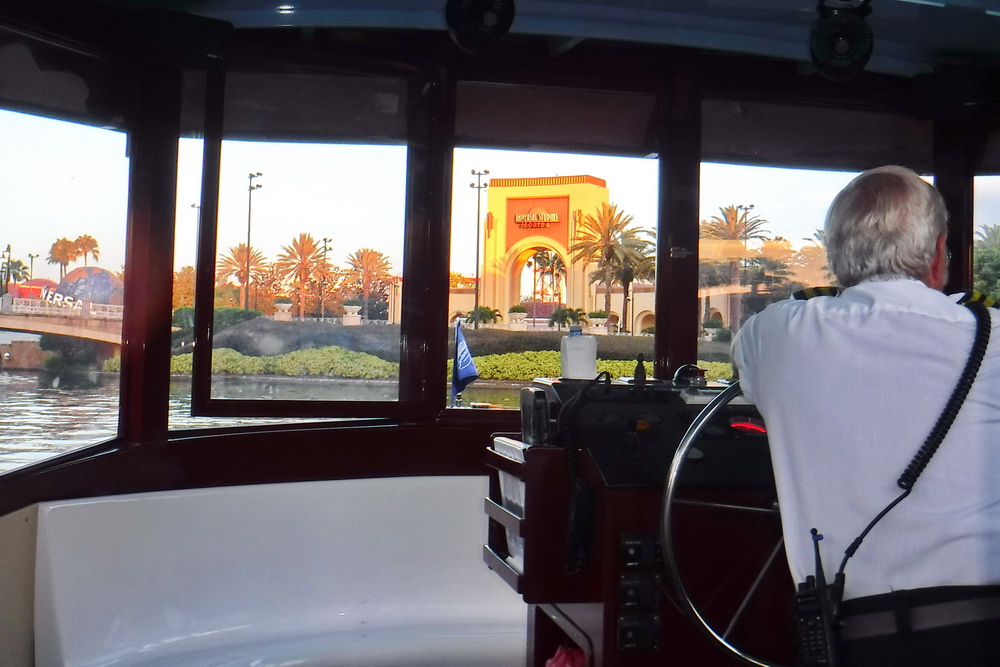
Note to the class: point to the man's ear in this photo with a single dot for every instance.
(937, 274)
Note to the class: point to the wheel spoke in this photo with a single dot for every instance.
(754, 586)
(729, 506)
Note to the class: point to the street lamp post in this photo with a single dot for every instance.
(322, 282)
(246, 287)
(479, 187)
(31, 264)
(5, 274)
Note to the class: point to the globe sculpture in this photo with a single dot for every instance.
(93, 284)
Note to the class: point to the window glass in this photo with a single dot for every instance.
(760, 240)
(182, 320)
(318, 318)
(63, 200)
(309, 252)
(525, 263)
(986, 220)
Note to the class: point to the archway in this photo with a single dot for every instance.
(534, 271)
(541, 281)
(643, 321)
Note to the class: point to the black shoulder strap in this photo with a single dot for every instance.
(944, 422)
(810, 292)
(972, 296)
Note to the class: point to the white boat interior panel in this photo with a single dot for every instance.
(17, 581)
(273, 574)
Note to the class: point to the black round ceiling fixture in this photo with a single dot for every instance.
(841, 42)
(476, 25)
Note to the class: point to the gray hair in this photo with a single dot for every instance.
(885, 224)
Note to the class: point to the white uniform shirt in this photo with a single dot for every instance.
(849, 388)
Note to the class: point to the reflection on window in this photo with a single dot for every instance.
(761, 239)
(64, 202)
(543, 241)
(986, 220)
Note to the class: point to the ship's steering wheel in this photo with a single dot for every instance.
(669, 545)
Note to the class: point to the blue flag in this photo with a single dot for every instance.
(463, 368)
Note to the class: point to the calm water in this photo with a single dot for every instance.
(38, 420)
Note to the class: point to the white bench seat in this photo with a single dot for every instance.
(355, 572)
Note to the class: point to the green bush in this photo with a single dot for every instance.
(599, 314)
(649, 331)
(716, 370)
(334, 362)
(517, 308)
(724, 335)
(327, 361)
(182, 363)
(228, 361)
(526, 366)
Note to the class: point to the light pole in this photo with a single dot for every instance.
(479, 187)
(31, 265)
(5, 274)
(322, 282)
(246, 287)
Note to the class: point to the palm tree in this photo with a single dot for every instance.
(87, 245)
(602, 240)
(62, 252)
(772, 264)
(12, 270)
(543, 263)
(988, 236)
(734, 225)
(565, 316)
(639, 265)
(484, 315)
(15, 271)
(557, 271)
(235, 265)
(302, 261)
(367, 268)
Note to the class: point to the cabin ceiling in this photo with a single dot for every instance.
(910, 36)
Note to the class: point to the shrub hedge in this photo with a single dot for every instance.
(337, 362)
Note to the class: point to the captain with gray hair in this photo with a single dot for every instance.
(887, 223)
(850, 386)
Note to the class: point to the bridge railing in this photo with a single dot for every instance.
(43, 308)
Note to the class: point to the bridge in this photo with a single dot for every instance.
(94, 321)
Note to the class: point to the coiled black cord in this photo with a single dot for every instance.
(947, 418)
(941, 427)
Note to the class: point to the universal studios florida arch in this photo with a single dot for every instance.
(525, 215)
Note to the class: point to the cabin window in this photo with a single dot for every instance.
(307, 197)
(986, 238)
(760, 240)
(769, 174)
(64, 190)
(540, 268)
(525, 264)
(64, 183)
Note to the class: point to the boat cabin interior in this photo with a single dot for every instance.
(375, 518)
